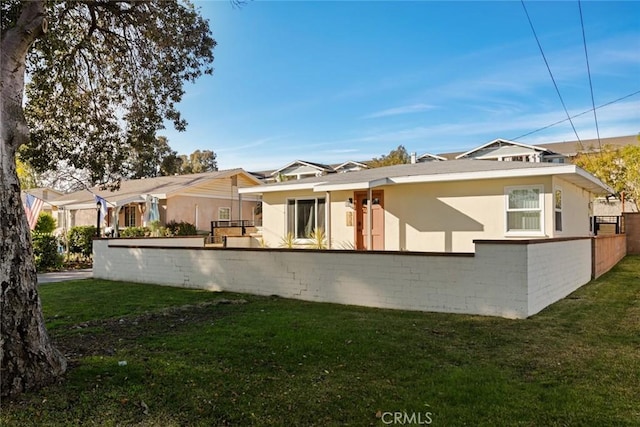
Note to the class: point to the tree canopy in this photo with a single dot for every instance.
(399, 156)
(102, 77)
(105, 77)
(619, 168)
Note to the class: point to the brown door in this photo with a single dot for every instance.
(377, 220)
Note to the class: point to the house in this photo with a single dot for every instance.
(197, 199)
(505, 150)
(45, 194)
(299, 169)
(427, 157)
(437, 206)
(349, 166)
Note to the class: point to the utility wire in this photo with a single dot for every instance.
(577, 115)
(549, 69)
(586, 55)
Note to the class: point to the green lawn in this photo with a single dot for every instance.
(200, 358)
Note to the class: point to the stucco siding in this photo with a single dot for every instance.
(441, 217)
(185, 208)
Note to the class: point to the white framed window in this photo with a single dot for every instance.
(224, 214)
(130, 216)
(304, 216)
(524, 210)
(557, 208)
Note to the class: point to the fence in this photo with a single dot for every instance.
(608, 225)
(606, 252)
(513, 279)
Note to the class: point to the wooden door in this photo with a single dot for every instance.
(377, 220)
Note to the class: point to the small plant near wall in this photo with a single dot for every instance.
(318, 239)
(288, 241)
(156, 229)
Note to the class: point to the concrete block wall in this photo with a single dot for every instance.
(180, 242)
(495, 281)
(607, 251)
(632, 230)
(556, 269)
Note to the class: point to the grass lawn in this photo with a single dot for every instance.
(199, 358)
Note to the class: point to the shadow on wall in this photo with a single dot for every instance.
(431, 216)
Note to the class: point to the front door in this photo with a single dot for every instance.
(377, 219)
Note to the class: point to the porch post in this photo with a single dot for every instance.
(327, 218)
(369, 219)
(240, 207)
(116, 222)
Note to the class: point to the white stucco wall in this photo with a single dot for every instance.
(440, 217)
(508, 280)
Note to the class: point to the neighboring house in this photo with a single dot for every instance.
(571, 149)
(299, 169)
(44, 193)
(428, 157)
(197, 199)
(432, 206)
(567, 150)
(349, 166)
(505, 150)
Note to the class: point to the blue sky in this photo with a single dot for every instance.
(335, 81)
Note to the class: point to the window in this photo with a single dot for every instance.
(304, 216)
(130, 216)
(224, 214)
(524, 210)
(557, 198)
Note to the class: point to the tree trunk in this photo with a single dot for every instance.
(27, 358)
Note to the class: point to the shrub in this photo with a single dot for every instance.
(46, 224)
(45, 251)
(135, 232)
(181, 229)
(81, 240)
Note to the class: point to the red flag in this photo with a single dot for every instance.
(32, 207)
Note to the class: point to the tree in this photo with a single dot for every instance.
(199, 161)
(146, 157)
(27, 176)
(399, 156)
(619, 168)
(101, 74)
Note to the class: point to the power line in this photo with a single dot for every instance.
(577, 115)
(549, 69)
(586, 55)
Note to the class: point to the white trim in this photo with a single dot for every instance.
(495, 141)
(520, 232)
(556, 210)
(592, 183)
(222, 208)
(429, 155)
(303, 240)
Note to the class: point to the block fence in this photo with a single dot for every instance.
(606, 251)
(513, 279)
(632, 230)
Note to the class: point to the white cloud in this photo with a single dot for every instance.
(407, 109)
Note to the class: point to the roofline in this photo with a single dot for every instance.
(444, 177)
(534, 147)
(351, 162)
(222, 174)
(422, 156)
(298, 161)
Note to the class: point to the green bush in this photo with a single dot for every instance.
(45, 225)
(181, 229)
(45, 251)
(81, 240)
(135, 232)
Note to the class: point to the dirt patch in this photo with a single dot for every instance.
(102, 337)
